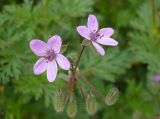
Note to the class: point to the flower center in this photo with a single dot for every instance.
(50, 55)
(94, 36)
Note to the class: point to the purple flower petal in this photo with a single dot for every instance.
(99, 49)
(106, 32)
(40, 66)
(92, 23)
(107, 41)
(52, 71)
(38, 47)
(63, 62)
(55, 43)
(84, 32)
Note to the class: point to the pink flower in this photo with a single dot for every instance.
(50, 53)
(157, 77)
(102, 36)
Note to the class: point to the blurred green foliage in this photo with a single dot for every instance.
(131, 66)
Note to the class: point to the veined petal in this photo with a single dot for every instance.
(55, 43)
(63, 62)
(38, 47)
(84, 32)
(40, 66)
(106, 32)
(99, 49)
(107, 41)
(92, 23)
(51, 71)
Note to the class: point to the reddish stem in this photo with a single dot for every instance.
(93, 89)
(81, 89)
(72, 81)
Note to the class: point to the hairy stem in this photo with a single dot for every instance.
(79, 56)
(72, 84)
(73, 77)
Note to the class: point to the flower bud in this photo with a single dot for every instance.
(59, 101)
(112, 96)
(86, 42)
(91, 104)
(72, 108)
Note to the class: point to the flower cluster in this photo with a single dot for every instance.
(50, 51)
(51, 56)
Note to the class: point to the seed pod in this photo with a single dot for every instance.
(112, 96)
(72, 108)
(59, 101)
(91, 104)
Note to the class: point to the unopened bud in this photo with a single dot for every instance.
(112, 96)
(72, 108)
(91, 104)
(59, 101)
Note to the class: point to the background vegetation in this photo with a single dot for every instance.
(131, 66)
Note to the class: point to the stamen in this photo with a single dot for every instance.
(94, 36)
(50, 55)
